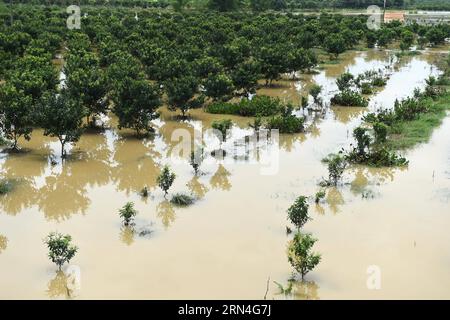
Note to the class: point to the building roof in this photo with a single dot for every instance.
(391, 16)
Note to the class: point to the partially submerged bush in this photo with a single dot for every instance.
(286, 122)
(382, 157)
(196, 159)
(336, 167)
(6, 186)
(380, 130)
(299, 253)
(315, 91)
(345, 81)
(319, 196)
(127, 213)
(182, 199)
(382, 116)
(60, 248)
(145, 192)
(223, 126)
(349, 98)
(409, 109)
(298, 212)
(165, 179)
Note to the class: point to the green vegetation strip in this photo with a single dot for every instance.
(409, 133)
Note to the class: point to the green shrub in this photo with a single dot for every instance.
(345, 81)
(319, 196)
(366, 88)
(315, 91)
(382, 157)
(182, 200)
(289, 124)
(165, 179)
(380, 130)
(60, 248)
(223, 108)
(363, 140)
(298, 212)
(223, 126)
(299, 253)
(336, 167)
(127, 213)
(286, 122)
(379, 81)
(349, 98)
(383, 116)
(6, 186)
(409, 109)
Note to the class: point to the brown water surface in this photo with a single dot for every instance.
(234, 238)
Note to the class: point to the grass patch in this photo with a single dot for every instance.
(407, 134)
(182, 200)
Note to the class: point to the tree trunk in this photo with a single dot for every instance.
(14, 146)
(63, 153)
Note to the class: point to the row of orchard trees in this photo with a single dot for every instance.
(133, 64)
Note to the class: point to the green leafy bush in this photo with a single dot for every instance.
(182, 199)
(165, 179)
(349, 98)
(380, 130)
(299, 253)
(223, 126)
(409, 109)
(6, 186)
(319, 196)
(60, 248)
(286, 122)
(298, 212)
(336, 167)
(127, 213)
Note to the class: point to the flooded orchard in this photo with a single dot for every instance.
(232, 242)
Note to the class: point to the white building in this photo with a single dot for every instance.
(428, 17)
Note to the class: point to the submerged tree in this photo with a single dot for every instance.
(363, 140)
(127, 213)
(196, 159)
(336, 166)
(61, 116)
(60, 248)
(298, 212)
(315, 91)
(222, 126)
(16, 114)
(165, 179)
(135, 104)
(299, 253)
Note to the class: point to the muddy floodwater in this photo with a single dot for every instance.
(233, 238)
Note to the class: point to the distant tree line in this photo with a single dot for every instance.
(254, 5)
